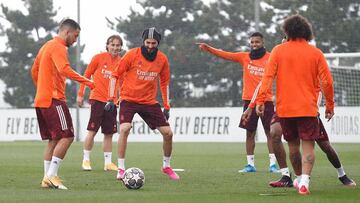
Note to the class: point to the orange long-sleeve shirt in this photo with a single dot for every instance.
(299, 69)
(49, 71)
(100, 68)
(140, 77)
(253, 70)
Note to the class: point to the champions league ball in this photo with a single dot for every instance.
(134, 178)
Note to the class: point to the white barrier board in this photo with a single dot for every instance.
(188, 125)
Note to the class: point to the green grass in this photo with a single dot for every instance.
(210, 175)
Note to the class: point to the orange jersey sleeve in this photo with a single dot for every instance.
(140, 77)
(100, 69)
(297, 67)
(49, 71)
(253, 70)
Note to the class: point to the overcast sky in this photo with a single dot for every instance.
(94, 30)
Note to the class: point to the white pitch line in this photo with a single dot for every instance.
(178, 169)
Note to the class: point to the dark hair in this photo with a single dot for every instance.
(297, 26)
(111, 38)
(67, 22)
(257, 34)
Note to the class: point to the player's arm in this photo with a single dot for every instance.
(113, 81)
(231, 56)
(266, 82)
(164, 87)
(247, 113)
(118, 74)
(35, 69)
(326, 82)
(90, 70)
(62, 64)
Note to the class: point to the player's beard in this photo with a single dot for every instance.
(149, 54)
(257, 53)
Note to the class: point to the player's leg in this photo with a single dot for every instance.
(308, 160)
(88, 145)
(250, 128)
(122, 145)
(295, 159)
(167, 134)
(279, 151)
(48, 153)
(96, 117)
(266, 121)
(107, 148)
(126, 114)
(155, 119)
(291, 135)
(332, 156)
(250, 151)
(309, 130)
(59, 124)
(45, 135)
(108, 128)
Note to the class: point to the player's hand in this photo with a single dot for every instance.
(90, 84)
(329, 114)
(203, 46)
(166, 113)
(245, 117)
(109, 106)
(80, 101)
(260, 108)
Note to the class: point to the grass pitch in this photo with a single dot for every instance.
(210, 175)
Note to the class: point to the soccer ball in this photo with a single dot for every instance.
(134, 178)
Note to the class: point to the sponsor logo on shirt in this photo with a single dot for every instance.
(144, 75)
(255, 70)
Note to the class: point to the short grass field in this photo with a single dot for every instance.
(211, 175)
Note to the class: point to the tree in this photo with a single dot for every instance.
(333, 21)
(27, 33)
(200, 79)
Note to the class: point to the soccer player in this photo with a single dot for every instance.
(49, 71)
(142, 68)
(323, 142)
(253, 64)
(299, 68)
(100, 69)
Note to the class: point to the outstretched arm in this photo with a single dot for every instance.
(231, 56)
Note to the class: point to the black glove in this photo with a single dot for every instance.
(166, 113)
(109, 106)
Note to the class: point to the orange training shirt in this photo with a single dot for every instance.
(253, 70)
(49, 71)
(100, 68)
(299, 69)
(140, 77)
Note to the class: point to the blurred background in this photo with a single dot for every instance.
(198, 79)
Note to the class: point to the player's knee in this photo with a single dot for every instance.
(125, 129)
(168, 134)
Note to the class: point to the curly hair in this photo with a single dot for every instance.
(297, 26)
